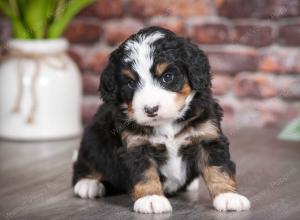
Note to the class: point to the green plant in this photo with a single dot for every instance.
(36, 19)
(292, 131)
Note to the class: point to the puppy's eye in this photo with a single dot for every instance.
(131, 84)
(168, 77)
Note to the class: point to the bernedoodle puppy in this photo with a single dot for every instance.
(158, 128)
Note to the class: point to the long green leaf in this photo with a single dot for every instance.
(72, 8)
(11, 10)
(60, 9)
(14, 7)
(292, 131)
(21, 6)
(6, 9)
(19, 30)
(50, 10)
(36, 17)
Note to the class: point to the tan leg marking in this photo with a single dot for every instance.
(151, 185)
(95, 175)
(217, 181)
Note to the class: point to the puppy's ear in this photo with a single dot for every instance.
(198, 68)
(108, 84)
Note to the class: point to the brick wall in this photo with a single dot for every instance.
(253, 46)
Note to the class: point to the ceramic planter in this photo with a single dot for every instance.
(40, 91)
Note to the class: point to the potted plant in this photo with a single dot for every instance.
(40, 86)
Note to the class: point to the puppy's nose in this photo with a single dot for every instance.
(151, 110)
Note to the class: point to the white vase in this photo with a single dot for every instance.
(40, 91)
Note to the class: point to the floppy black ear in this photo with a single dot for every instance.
(198, 68)
(108, 85)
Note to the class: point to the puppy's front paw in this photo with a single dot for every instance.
(152, 204)
(231, 201)
(89, 188)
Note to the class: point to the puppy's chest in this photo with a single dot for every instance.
(175, 167)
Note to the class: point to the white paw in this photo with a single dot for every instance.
(89, 188)
(194, 185)
(231, 201)
(152, 204)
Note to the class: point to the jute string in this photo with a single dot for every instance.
(37, 59)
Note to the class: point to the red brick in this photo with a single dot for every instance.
(90, 83)
(228, 113)
(89, 107)
(280, 59)
(104, 9)
(232, 59)
(77, 54)
(209, 33)
(91, 60)
(288, 87)
(97, 60)
(83, 31)
(117, 31)
(270, 9)
(230, 106)
(255, 85)
(252, 34)
(290, 34)
(265, 85)
(185, 8)
(222, 84)
(174, 24)
(255, 113)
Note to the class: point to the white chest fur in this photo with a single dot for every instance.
(175, 169)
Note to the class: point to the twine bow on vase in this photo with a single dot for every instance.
(37, 59)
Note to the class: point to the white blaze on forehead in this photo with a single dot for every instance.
(150, 92)
(141, 54)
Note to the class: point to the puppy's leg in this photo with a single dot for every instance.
(148, 194)
(219, 175)
(145, 187)
(87, 183)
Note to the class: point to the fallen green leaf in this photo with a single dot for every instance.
(292, 131)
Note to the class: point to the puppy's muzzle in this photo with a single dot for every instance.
(151, 111)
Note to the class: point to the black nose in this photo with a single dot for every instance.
(151, 110)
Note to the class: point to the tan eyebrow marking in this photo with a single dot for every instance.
(128, 73)
(161, 68)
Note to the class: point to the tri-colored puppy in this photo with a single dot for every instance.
(158, 129)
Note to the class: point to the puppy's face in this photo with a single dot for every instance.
(152, 78)
(154, 87)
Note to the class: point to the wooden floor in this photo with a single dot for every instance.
(35, 183)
